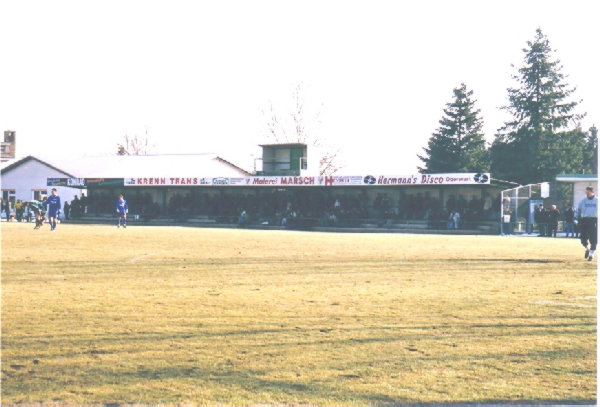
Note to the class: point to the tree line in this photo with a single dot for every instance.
(542, 138)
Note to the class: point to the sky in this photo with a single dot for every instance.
(198, 76)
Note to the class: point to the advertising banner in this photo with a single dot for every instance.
(83, 182)
(282, 181)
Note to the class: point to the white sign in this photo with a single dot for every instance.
(545, 189)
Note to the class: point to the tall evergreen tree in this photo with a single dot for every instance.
(591, 151)
(543, 137)
(458, 145)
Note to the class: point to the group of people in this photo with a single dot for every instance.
(20, 212)
(579, 222)
(547, 219)
(327, 208)
(50, 208)
(76, 208)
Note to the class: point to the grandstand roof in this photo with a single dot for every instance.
(119, 166)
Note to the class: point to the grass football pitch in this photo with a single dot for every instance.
(97, 315)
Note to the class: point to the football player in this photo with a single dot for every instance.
(122, 209)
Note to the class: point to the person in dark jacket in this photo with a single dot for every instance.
(570, 221)
(6, 208)
(67, 210)
(541, 220)
(553, 216)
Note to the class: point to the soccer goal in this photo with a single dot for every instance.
(518, 207)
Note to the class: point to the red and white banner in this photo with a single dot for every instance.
(334, 180)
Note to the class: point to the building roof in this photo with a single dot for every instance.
(283, 145)
(119, 166)
(576, 177)
(12, 164)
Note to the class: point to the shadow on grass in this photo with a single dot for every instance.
(230, 383)
(492, 260)
(146, 336)
(241, 384)
(97, 344)
(492, 402)
(246, 384)
(481, 403)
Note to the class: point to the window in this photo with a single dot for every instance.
(40, 194)
(8, 195)
(303, 163)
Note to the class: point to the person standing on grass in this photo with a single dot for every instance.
(53, 202)
(553, 216)
(570, 221)
(27, 212)
(66, 209)
(540, 219)
(122, 208)
(19, 210)
(6, 209)
(588, 221)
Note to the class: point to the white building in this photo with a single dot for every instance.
(579, 183)
(25, 179)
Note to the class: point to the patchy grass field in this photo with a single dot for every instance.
(100, 315)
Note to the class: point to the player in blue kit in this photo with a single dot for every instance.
(53, 202)
(122, 209)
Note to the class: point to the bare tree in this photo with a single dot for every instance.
(298, 128)
(134, 145)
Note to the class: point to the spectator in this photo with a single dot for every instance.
(337, 206)
(27, 212)
(6, 208)
(83, 203)
(553, 216)
(243, 219)
(67, 209)
(540, 217)
(75, 207)
(19, 210)
(570, 221)
(9, 211)
(450, 221)
(455, 220)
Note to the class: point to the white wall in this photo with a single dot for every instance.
(32, 175)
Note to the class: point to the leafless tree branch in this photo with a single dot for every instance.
(303, 131)
(134, 145)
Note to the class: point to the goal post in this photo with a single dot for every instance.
(518, 207)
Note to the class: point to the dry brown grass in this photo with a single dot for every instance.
(98, 315)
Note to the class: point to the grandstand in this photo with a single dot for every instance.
(208, 190)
